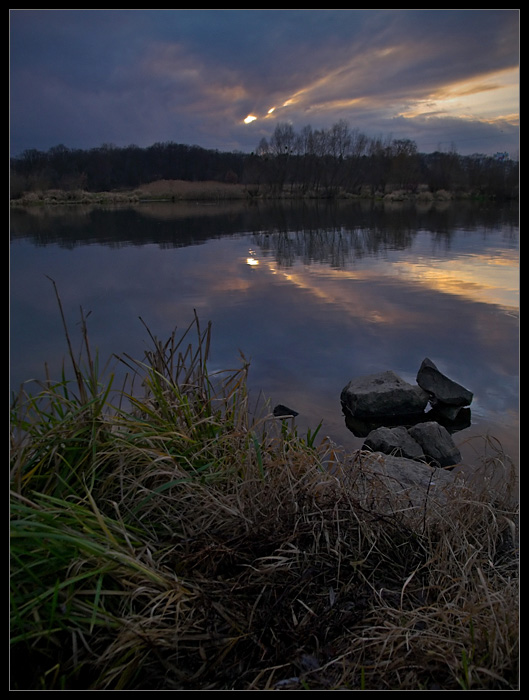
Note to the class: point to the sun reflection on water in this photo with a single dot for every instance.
(251, 259)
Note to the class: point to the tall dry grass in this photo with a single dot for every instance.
(165, 536)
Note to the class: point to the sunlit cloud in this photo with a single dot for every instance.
(472, 99)
(476, 98)
(408, 81)
(222, 79)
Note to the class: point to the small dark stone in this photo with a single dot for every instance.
(281, 411)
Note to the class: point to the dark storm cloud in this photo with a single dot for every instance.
(87, 77)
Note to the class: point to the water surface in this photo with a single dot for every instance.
(312, 294)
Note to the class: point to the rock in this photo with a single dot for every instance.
(394, 441)
(382, 394)
(390, 414)
(441, 387)
(409, 472)
(281, 411)
(436, 442)
(392, 483)
(453, 418)
(423, 442)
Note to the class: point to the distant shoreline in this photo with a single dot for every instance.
(182, 190)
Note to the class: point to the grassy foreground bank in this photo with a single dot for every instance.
(164, 535)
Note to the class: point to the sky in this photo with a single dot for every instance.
(224, 79)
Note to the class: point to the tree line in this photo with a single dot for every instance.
(319, 162)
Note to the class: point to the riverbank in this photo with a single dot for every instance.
(174, 539)
(182, 191)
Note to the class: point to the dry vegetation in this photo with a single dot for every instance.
(184, 190)
(177, 540)
(166, 190)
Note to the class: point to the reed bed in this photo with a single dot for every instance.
(167, 536)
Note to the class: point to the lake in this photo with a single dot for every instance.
(312, 293)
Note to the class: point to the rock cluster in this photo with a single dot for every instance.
(391, 413)
(424, 442)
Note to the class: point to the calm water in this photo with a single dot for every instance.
(313, 295)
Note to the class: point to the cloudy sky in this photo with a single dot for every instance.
(224, 79)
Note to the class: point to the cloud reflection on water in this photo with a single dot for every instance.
(476, 278)
(329, 299)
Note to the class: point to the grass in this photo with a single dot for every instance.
(160, 190)
(165, 536)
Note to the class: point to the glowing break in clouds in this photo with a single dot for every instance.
(489, 97)
(251, 117)
(477, 98)
(339, 87)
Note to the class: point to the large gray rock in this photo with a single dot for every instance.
(441, 387)
(436, 442)
(382, 394)
(395, 484)
(408, 472)
(394, 441)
